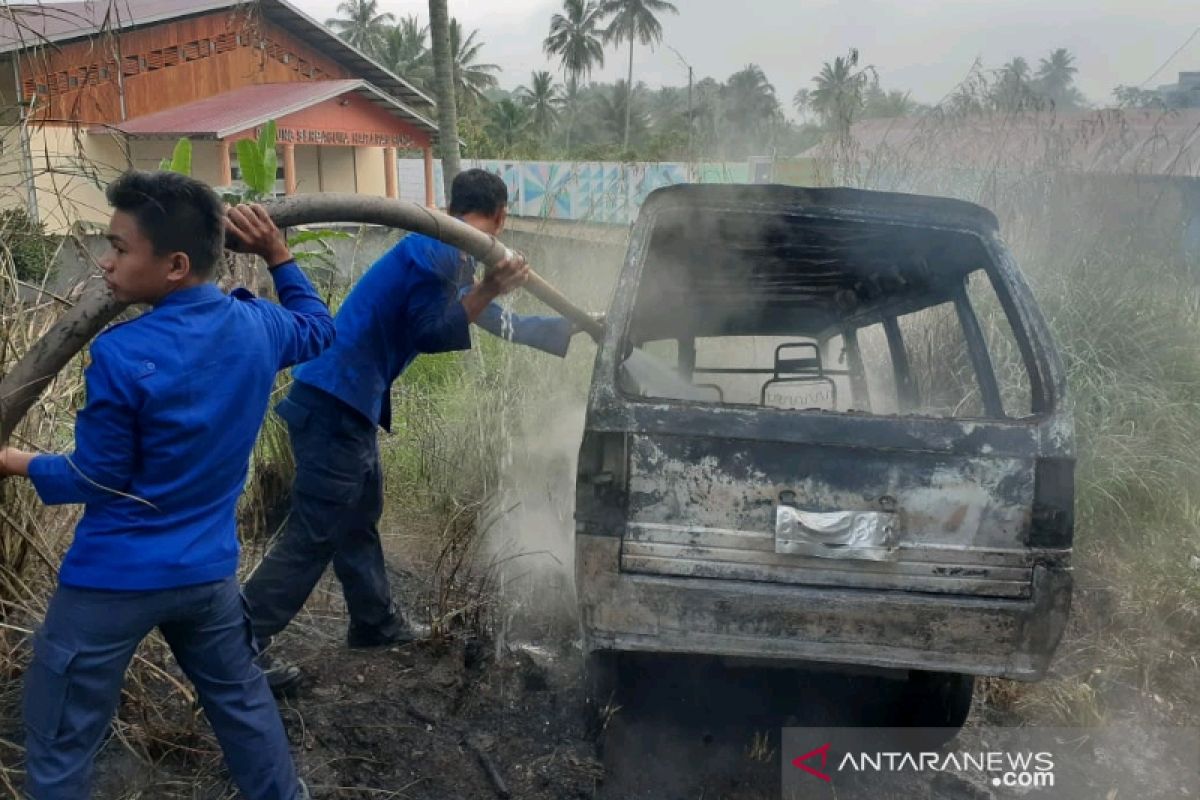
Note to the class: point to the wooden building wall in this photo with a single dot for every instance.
(167, 65)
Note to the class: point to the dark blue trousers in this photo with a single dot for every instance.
(80, 654)
(337, 499)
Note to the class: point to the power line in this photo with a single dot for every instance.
(1195, 33)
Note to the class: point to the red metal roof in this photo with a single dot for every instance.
(27, 25)
(232, 112)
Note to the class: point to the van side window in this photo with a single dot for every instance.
(878, 392)
(1016, 392)
(943, 378)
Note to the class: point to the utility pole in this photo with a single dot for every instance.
(691, 153)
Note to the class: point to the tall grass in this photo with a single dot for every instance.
(30, 533)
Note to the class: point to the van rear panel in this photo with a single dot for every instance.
(826, 425)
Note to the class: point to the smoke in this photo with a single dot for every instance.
(529, 521)
(530, 524)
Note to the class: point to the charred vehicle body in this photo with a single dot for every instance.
(826, 425)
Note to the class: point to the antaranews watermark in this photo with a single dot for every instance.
(1029, 763)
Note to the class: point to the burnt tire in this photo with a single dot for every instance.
(939, 700)
(601, 676)
(601, 679)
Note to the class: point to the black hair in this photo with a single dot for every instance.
(175, 212)
(477, 191)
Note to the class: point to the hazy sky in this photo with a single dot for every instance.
(919, 45)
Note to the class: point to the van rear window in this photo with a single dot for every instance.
(819, 315)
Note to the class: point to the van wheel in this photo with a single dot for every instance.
(937, 700)
(601, 677)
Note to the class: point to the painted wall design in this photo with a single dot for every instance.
(602, 192)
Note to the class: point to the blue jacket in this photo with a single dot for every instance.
(175, 400)
(406, 304)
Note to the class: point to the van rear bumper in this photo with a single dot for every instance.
(1011, 638)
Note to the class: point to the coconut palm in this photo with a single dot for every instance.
(618, 113)
(507, 125)
(750, 106)
(881, 104)
(404, 51)
(802, 102)
(470, 77)
(634, 20)
(1014, 88)
(1056, 78)
(543, 97)
(576, 38)
(441, 38)
(838, 97)
(361, 24)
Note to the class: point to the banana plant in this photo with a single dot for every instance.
(180, 160)
(258, 163)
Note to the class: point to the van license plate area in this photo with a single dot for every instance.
(863, 535)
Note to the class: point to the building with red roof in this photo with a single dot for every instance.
(91, 89)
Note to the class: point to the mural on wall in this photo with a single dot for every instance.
(601, 192)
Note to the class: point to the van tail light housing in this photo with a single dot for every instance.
(1053, 523)
(601, 483)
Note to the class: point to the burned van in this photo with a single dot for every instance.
(826, 425)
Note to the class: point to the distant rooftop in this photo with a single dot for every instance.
(1118, 142)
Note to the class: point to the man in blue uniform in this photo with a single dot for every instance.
(417, 298)
(175, 399)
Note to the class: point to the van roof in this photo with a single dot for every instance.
(766, 259)
(941, 211)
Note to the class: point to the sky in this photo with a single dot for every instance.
(920, 46)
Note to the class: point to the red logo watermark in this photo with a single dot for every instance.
(823, 752)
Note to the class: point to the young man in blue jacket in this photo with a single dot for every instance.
(175, 399)
(419, 297)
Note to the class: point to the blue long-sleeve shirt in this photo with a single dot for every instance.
(406, 304)
(175, 399)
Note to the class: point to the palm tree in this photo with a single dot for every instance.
(1056, 75)
(544, 100)
(802, 101)
(572, 102)
(750, 105)
(576, 38)
(361, 24)
(634, 20)
(880, 104)
(839, 93)
(1014, 88)
(507, 124)
(443, 82)
(618, 111)
(470, 78)
(1018, 69)
(404, 51)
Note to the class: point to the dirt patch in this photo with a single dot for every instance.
(442, 720)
